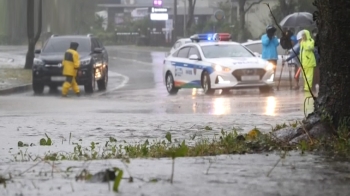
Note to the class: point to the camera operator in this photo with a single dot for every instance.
(269, 45)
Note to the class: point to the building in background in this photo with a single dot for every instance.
(257, 18)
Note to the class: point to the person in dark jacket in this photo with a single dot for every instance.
(293, 57)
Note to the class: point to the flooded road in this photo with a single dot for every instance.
(137, 107)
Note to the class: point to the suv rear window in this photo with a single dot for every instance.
(61, 44)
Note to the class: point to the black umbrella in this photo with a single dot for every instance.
(298, 19)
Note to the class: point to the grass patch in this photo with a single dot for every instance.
(15, 76)
(226, 142)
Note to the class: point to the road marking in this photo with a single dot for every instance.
(125, 80)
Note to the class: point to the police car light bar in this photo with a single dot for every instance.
(211, 37)
(222, 36)
(201, 37)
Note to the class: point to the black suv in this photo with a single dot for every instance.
(47, 67)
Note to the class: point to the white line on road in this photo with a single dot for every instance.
(125, 80)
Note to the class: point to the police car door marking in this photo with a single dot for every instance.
(189, 72)
(179, 64)
(178, 71)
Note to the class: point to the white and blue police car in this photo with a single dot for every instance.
(213, 62)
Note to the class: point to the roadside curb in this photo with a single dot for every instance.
(17, 89)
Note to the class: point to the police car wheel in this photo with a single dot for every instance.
(170, 87)
(206, 84)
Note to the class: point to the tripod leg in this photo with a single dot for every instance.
(290, 76)
(279, 80)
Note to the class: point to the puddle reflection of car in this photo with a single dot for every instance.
(47, 68)
(215, 65)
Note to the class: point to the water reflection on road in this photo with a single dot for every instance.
(271, 106)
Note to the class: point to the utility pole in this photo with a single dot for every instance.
(174, 22)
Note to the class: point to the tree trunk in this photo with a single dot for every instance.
(32, 40)
(333, 20)
(191, 6)
(241, 12)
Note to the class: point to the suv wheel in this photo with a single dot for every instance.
(89, 87)
(38, 87)
(102, 83)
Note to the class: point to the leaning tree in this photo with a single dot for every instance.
(332, 106)
(32, 37)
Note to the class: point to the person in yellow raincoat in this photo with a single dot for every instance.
(307, 58)
(71, 64)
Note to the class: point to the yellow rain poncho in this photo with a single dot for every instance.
(307, 58)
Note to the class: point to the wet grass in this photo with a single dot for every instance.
(226, 142)
(15, 76)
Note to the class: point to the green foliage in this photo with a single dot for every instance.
(45, 142)
(117, 180)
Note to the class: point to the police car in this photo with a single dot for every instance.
(179, 43)
(216, 65)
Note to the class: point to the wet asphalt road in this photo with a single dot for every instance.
(135, 107)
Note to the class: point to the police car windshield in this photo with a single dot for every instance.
(225, 51)
(60, 45)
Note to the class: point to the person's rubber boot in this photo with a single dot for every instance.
(78, 94)
(64, 96)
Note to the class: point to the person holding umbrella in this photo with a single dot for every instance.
(269, 46)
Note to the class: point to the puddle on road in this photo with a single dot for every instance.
(206, 176)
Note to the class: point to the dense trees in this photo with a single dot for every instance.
(59, 16)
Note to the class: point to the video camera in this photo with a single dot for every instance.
(286, 41)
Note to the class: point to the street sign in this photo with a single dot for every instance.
(169, 24)
(158, 10)
(219, 15)
(158, 13)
